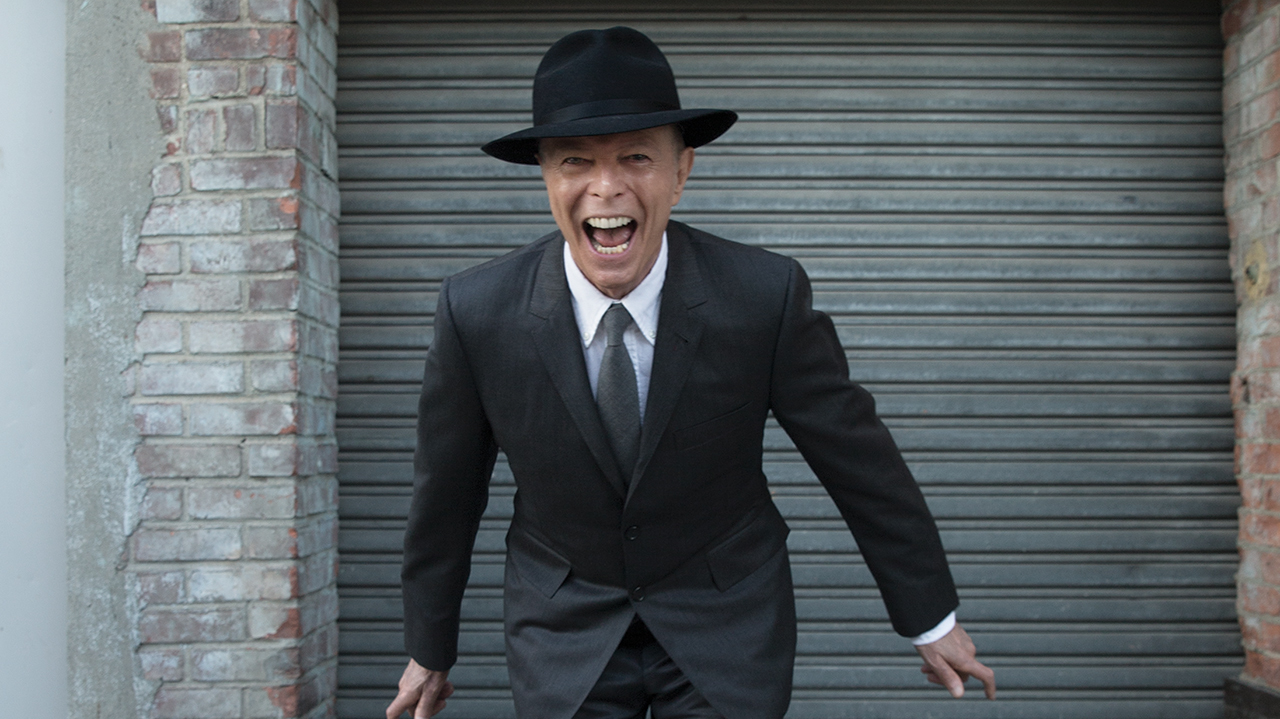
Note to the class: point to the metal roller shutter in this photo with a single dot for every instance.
(1014, 217)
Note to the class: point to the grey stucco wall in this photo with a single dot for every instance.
(112, 142)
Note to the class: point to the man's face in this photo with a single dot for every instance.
(611, 196)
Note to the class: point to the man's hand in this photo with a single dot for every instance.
(952, 659)
(422, 691)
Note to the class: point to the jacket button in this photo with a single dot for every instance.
(637, 594)
(632, 532)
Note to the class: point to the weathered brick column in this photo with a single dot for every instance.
(1251, 98)
(235, 552)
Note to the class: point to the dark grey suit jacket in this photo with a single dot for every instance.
(695, 546)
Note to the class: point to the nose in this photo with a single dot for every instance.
(606, 181)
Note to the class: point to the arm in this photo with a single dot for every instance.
(452, 466)
(833, 423)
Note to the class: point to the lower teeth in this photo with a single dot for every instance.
(612, 250)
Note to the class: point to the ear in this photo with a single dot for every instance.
(684, 166)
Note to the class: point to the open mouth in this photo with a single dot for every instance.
(609, 235)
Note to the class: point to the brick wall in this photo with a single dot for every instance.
(234, 556)
(1251, 97)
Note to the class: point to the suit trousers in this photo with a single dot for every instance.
(641, 678)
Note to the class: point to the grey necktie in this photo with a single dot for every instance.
(616, 394)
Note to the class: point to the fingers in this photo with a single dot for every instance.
(952, 660)
(433, 702)
(942, 673)
(403, 702)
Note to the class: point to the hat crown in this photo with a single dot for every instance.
(593, 73)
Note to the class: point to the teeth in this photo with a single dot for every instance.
(611, 250)
(608, 223)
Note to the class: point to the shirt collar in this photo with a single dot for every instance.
(643, 302)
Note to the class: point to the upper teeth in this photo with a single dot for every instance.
(606, 223)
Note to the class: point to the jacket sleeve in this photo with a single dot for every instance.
(452, 466)
(834, 424)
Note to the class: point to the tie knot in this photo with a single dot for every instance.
(616, 320)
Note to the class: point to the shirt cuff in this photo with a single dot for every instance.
(946, 625)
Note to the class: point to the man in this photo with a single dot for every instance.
(626, 365)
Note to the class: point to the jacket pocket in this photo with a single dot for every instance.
(747, 549)
(712, 429)
(537, 564)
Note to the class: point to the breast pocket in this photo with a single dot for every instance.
(713, 429)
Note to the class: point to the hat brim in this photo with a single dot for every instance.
(699, 128)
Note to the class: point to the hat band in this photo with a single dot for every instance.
(599, 108)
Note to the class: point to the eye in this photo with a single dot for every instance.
(573, 160)
(638, 157)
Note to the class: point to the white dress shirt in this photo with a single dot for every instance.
(589, 306)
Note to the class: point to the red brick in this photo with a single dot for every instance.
(241, 43)
(186, 378)
(251, 418)
(1259, 423)
(1258, 528)
(160, 258)
(281, 79)
(168, 116)
(166, 82)
(158, 335)
(1263, 386)
(1259, 634)
(262, 501)
(318, 265)
(181, 545)
(1262, 353)
(273, 10)
(243, 581)
(246, 582)
(1251, 599)
(282, 123)
(271, 542)
(212, 81)
(190, 295)
(161, 664)
(163, 47)
(1268, 143)
(279, 294)
(240, 256)
(255, 79)
(159, 587)
(158, 419)
(166, 179)
(245, 173)
(1259, 565)
(173, 702)
(188, 11)
(201, 133)
(163, 503)
(1262, 668)
(1258, 40)
(1236, 17)
(274, 375)
(244, 336)
(188, 460)
(272, 213)
(240, 125)
(192, 217)
(274, 621)
(273, 460)
(245, 664)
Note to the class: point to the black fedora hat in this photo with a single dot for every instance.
(601, 82)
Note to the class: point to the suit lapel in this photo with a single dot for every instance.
(675, 347)
(555, 334)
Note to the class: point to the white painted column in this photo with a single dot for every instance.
(33, 566)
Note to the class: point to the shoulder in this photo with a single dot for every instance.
(734, 271)
(502, 281)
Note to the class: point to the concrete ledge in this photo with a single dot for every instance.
(1246, 700)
